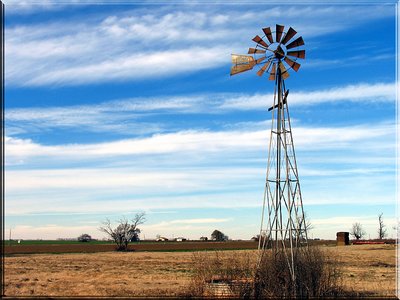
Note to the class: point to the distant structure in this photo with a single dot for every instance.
(283, 225)
(342, 239)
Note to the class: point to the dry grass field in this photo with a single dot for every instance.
(368, 270)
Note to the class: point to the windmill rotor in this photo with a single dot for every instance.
(274, 50)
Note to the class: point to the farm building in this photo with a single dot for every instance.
(342, 239)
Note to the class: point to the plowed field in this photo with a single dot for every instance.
(161, 246)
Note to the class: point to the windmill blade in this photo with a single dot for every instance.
(262, 70)
(284, 72)
(240, 68)
(296, 43)
(260, 41)
(279, 31)
(291, 33)
(239, 59)
(268, 34)
(260, 60)
(273, 72)
(253, 50)
(298, 53)
(294, 65)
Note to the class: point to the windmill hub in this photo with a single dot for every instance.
(279, 52)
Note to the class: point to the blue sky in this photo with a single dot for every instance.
(113, 109)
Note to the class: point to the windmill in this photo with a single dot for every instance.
(283, 226)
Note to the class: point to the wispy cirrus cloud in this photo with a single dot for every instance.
(199, 221)
(192, 141)
(136, 66)
(98, 190)
(361, 92)
(125, 115)
(197, 174)
(142, 43)
(53, 231)
(26, 7)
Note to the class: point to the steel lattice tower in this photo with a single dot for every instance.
(283, 226)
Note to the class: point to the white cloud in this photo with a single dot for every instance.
(199, 221)
(139, 45)
(144, 43)
(366, 220)
(361, 93)
(196, 169)
(197, 142)
(112, 180)
(185, 141)
(153, 64)
(100, 201)
(24, 7)
(121, 116)
(52, 231)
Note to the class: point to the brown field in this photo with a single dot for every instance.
(367, 269)
(161, 246)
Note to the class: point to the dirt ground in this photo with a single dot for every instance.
(367, 269)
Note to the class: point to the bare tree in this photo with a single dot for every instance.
(305, 225)
(125, 232)
(308, 225)
(357, 231)
(382, 230)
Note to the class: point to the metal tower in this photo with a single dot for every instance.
(283, 226)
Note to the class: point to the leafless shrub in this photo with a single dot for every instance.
(316, 275)
(236, 275)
